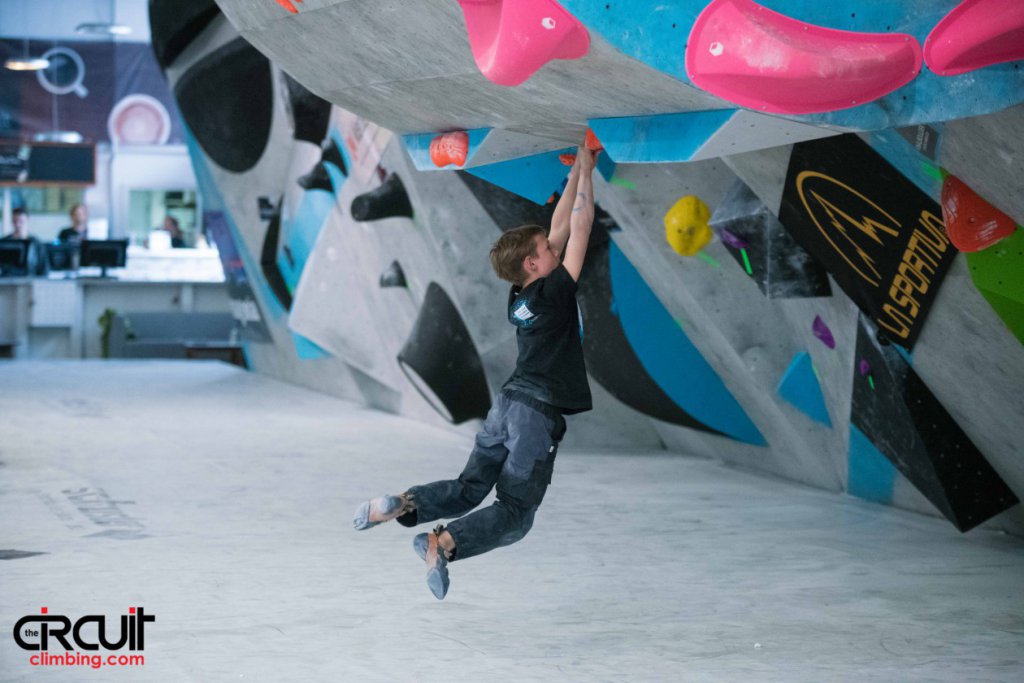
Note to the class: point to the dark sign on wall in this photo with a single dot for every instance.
(45, 163)
(879, 236)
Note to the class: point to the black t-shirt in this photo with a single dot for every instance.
(549, 334)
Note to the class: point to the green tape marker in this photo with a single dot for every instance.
(710, 260)
(622, 182)
(746, 262)
(871, 382)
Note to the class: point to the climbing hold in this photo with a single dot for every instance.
(822, 332)
(287, 4)
(592, 143)
(441, 361)
(512, 39)
(317, 179)
(331, 154)
(731, 239)
(387, 201)
(567, 159)
(971, 222)
(864, 367)
(450, 148)
(686, 226)
(976, 34)
(763, 60)
(394, 276)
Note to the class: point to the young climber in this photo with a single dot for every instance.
(515, 450)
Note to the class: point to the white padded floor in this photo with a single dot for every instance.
(223, 499)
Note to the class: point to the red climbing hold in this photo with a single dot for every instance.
(976, 34)
(971, 222)
(512, 39)
(287, 4)
(592, 143)
(450, 148)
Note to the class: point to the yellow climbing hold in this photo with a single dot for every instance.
(686, 226)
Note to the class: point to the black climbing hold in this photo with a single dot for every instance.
(317, 179)
(394, 276)
(387, 201)
(332, 155)
(174, 24)
(268, 261)
(233, 128)
(310, 113)
(440, 360)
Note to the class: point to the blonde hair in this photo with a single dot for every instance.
(511, 249)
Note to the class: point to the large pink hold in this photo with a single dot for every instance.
(764, 60)
(512, 39)
(976, 34)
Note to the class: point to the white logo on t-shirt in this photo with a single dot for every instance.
(523, 313)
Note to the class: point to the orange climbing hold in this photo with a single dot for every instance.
(287, 4)
(450, 148)
(567, 159)
(971, 222)
(592, 143)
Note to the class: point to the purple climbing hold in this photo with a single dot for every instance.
(864, 367)
(822, 332)
(731, 239)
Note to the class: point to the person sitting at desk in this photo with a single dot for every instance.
(79, 228)
(172, 226)
(36, 262)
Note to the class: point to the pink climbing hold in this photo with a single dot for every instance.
(821, 331)
(512, 39)
(763, 60)
(976, 34)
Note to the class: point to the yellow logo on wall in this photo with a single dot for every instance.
(863, 233)
(855, 230)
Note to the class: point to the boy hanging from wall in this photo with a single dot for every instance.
(515, 450)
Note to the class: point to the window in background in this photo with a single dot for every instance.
(148, 208)
(51, 199)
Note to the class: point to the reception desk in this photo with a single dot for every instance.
(59, 317)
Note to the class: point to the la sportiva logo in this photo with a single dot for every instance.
(40, 631)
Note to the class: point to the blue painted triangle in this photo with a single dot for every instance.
(535, 177)
(660, 138)
(870, 474)
(800, 387)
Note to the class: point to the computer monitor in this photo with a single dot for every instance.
(104, 254)
(62, 256)
(14, 256)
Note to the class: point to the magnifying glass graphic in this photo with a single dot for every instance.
(65, 73)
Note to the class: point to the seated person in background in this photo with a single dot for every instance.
(36, 264)
(177, 236)
(78, 230)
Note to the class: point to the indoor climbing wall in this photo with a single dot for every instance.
(806, 258)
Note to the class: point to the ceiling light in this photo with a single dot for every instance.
(72, 137)
(103, 28)
(26, 63)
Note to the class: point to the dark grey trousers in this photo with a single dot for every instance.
(514, 452)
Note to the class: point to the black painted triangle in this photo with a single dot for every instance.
(894, 408)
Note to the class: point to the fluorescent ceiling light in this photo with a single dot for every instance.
(103, 28)
(68, 136)
(26, 63)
